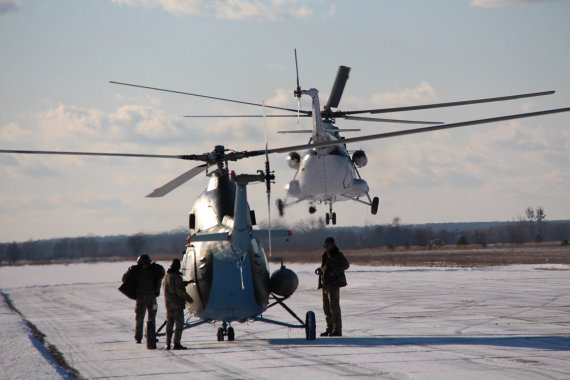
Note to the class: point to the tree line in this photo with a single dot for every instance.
(307, 236)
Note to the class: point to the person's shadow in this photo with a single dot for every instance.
(547, 342)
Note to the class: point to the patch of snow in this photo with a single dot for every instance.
(22, 355)
(400, 323)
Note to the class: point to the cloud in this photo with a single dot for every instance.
(131, 128)
(504, 3)
(67, 124)
(9, 6)
(13, 132)
(236, 9)
(423, 93)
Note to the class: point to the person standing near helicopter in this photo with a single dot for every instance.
(142, 283)
(331, 279)
(175, 298)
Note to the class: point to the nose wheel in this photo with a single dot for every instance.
(224, 331)
(331, 216)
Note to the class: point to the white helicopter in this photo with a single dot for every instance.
(327, 172)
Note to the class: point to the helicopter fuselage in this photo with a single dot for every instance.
(226, 265)
(326, 174)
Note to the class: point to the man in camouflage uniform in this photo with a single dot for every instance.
(331, 279)
(175, 298)
(145, 278)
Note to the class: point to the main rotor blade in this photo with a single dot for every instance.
(415, 131)
(178, 181)
(212, 116)
(440, 105)
(361, 118)
(310, 130)
(206, 96)
(338, 87)
(63, 153)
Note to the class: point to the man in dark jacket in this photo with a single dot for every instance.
(175, 298)
(145, 279)
(331, 279)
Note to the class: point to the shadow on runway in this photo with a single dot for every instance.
(554, 343)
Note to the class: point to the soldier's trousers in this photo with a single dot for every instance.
(174, 318)
(145, 304)
(331, 307)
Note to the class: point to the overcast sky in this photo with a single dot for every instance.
(58, 57)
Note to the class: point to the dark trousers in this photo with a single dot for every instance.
(145, 304)
(331, 307)
(174, 317)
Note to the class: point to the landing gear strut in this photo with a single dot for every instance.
(226, 330)
(309, 324)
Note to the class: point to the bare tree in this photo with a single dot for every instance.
(540, 217)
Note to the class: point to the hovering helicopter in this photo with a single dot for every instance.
(328, 172)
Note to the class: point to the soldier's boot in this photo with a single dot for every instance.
(168, 340)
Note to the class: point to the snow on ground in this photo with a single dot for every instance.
(22, 356)
(399, 323)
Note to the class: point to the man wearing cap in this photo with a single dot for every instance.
(144, 279)
(331, 279)
(175, 298)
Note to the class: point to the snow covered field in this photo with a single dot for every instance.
(399, 323)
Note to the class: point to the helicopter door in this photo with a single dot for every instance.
(189, 274)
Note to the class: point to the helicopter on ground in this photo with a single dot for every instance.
(329, 173)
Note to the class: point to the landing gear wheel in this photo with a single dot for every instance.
(220, 334)
(374, 208)
(328, 218)
(231, 334)
(280, 207)
(333, 218)
(310, 326)
(312, 209)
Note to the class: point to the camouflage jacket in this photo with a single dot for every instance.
(332, 269)
(175, 295)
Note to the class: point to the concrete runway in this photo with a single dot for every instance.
(399, 323)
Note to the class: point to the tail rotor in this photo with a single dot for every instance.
(297, 91)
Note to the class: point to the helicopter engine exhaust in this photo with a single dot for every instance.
(359, 158)
(293, 160)
(283, 282)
